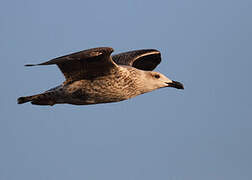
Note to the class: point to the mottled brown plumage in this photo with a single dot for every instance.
(93, 76)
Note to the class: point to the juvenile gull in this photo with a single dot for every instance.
(94, 76)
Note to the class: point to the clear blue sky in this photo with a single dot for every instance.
(203, 132)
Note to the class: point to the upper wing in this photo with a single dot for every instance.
(85, 64)
(145, 59)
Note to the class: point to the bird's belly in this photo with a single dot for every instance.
(96, 98)
(84, 96)
(98, 91)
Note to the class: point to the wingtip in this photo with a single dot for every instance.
(30, 65)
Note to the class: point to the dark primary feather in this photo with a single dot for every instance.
(84, 64)
(145, 59)
(95, 62)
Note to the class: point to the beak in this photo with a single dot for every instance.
(175, 84)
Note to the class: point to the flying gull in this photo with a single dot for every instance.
(94, 76)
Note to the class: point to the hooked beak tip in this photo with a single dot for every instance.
(176, 84)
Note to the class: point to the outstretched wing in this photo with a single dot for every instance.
(145, 59)
(85, 64)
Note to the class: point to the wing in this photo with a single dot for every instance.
(85, 64)
(145, 59)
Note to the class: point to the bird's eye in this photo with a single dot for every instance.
(157, 76)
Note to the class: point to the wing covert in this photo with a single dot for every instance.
(85, 64)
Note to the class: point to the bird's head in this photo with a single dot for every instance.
(156, 80)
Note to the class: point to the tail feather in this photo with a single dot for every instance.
(25, 99)
(39, 99)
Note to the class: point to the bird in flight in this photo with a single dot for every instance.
(94, 76)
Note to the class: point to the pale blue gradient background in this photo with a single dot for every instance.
(203, 132)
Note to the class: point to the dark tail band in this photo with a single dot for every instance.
(22, 100)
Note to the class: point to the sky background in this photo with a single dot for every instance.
(203, 132)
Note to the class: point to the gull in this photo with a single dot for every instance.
(93, 76)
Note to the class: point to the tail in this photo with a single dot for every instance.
(25, 99)
(39, 99)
